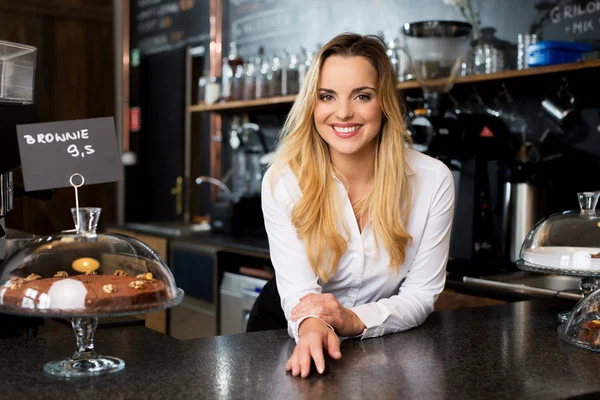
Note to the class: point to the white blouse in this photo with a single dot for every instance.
(363, 283)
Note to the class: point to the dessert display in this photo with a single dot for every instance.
(568, 243)
(88, 291)
(84, 275)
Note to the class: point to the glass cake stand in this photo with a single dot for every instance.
(83, 275)
(568, 243)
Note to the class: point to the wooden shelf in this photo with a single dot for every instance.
(514, 73)
(241, 104)
(245, 104)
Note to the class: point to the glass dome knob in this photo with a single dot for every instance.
(588, 201)
(86, 220)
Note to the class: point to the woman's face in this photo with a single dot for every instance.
(348, 112)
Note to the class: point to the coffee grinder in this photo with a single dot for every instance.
(473, 146)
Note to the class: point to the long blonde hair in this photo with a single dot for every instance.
(316, 214)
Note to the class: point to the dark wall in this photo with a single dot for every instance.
(277, 24)
(74, 80)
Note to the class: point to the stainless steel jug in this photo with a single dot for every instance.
(522, 211)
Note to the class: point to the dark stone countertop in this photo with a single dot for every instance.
(505, 351)
(182, 232)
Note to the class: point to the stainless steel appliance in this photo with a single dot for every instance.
(238, 294)
(523, 210)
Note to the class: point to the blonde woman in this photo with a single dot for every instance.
(358, 223)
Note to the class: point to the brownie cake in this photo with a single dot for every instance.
(589, 332)
(117, 292)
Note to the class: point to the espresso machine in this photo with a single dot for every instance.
(475, 147)
(16, 108)
(238, 210)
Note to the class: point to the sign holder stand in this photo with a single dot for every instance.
(76, 186)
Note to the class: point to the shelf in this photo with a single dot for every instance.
(241, 104)
(534, 71)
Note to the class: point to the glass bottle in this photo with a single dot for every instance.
(274, 77)
(237, 86)
(230, 64)
(263, 70)
(250, 80)
(291, 77)
(392, 53)
(404, 72)
(202, 81)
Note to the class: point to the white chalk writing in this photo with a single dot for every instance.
(45, 138)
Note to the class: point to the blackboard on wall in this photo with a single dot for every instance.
(162, 25)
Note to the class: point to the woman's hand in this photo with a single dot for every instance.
(327, 308)
(314, 336)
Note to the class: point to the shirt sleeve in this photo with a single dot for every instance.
(427, 275)
(293, 273)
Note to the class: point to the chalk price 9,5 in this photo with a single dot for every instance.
(74, 151)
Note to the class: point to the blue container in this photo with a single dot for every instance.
(550, 52)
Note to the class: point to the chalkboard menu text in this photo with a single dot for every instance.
(52, 152)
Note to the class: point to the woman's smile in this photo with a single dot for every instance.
(346, 131)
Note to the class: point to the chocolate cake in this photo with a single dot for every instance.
(597, 255)
(589, 332)
(104, 293)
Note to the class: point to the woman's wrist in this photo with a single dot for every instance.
(358, 327)
(311, 324)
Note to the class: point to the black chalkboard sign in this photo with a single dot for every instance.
(51, 153)
(573, 20)
(162, 25)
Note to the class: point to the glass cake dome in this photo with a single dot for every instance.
(582, 327)
(566, 243)
(83, 275)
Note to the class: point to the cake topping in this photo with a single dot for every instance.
(32, 277)
(109, 288)
(15, 282)
(147, 276)
(137, 285)
(91, 273)
(120, 272)
(61, 274)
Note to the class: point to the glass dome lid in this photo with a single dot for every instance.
(565, 243)
(82, 273)
(582, 328)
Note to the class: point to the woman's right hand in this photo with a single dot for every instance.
(314, 336)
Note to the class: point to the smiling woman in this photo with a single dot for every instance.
(358, 223)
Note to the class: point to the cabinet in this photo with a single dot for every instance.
(195, 270)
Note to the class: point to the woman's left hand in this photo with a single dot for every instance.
(327, 308)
